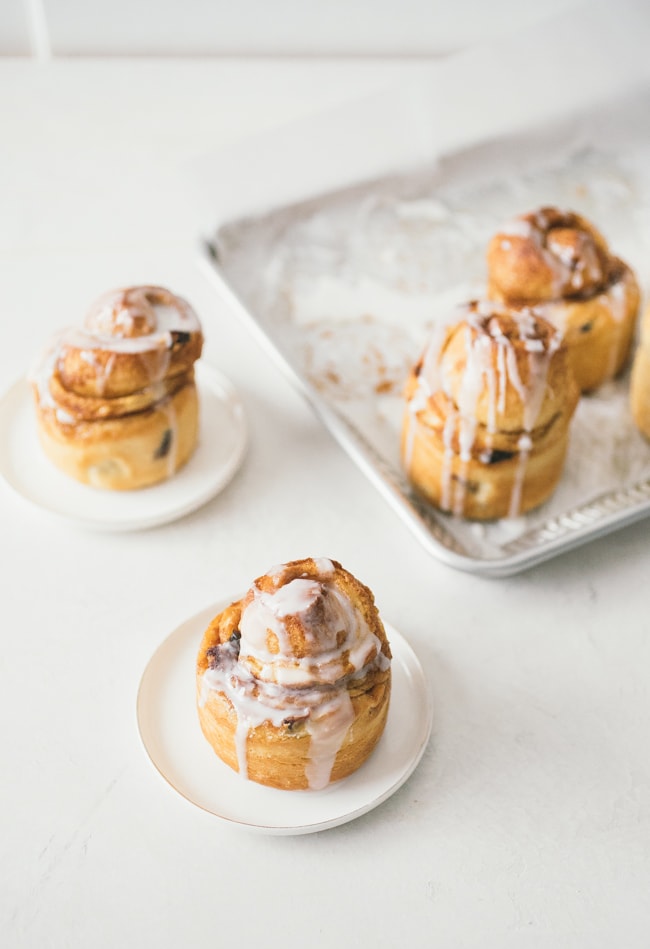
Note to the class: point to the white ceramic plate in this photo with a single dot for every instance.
(222, 440)
(172, 737)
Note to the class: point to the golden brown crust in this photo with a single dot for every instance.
(116, 401)
(546, 255)
(278, 748)
(485, 435)
(493, 482)
(87, 408)
(277, 757)
(559, 260)
(640, 378)
(144, 353)
(127, 453)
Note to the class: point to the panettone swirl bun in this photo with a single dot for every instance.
(487, 414)
(293, 680)
(559, 261)
(116, 401)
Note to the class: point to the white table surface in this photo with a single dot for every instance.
(527, 822)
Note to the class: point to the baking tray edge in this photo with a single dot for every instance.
(595, 518)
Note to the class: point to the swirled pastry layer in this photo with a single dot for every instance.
(132, 339)
(560, 261)
(293, 680)
(116, 400)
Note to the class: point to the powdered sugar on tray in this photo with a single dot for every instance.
(350, 286)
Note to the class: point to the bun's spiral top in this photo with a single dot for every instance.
(504, 369)
(134, 340)
(306, 623)
(546, 255)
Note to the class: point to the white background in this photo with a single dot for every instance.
(527, 823)
(253, 27)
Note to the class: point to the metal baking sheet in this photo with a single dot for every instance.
(345, 288)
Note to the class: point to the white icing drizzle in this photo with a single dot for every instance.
(491, 365)
(478, 370)
(501, 370)
(328, 659)
(112, 321)
(108, 322)
(312, 688)
(517, 227)
(324, 565)
(327, 725)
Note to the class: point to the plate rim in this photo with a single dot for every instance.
(208, 377)
(397, 641)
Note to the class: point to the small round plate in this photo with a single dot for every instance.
(222, 441)
(172, 737)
